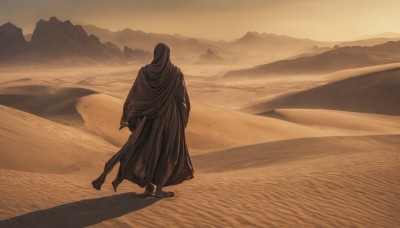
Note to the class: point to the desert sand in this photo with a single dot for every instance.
(262, 155)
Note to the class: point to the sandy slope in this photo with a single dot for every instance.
(339, 181)
(362, 123)
(376, 92)
(32, 143)
(209, 128)
(213, 129)
(101, 114)
(52, 102)
(290, 167)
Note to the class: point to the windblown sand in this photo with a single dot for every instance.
(297, 164)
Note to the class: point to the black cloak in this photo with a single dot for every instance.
(157, 111)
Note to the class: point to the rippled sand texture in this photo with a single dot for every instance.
(320, 150)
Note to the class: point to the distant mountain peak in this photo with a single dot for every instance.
(8, 28)
(252, 36)
(54, 19)
(8, 25)
(253, 33)
(10, 36)
(210, 52)
(51, 29)
(136, 53)
(210, 56)
(57, 39)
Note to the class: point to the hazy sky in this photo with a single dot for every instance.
(217, 19)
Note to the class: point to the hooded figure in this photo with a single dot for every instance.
(156, 111)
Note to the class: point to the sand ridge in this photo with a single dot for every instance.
(370, 93)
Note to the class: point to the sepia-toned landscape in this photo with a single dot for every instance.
(283, 131)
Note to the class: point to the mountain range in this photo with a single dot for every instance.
(338, 58)
(54, 40)
(186, 48)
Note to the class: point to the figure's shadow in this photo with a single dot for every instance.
(82, 213)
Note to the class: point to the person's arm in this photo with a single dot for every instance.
(186, 100)
(125, 111)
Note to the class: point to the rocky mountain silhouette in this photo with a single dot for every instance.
(12, 41)
(183, 47)
(210, 57)
(191, 48)
(53, 40)
(136, 54)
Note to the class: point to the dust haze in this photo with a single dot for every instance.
(284, 130)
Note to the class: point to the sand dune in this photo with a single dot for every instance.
(209, 128)
(101, 114)
(53, 102)
(213, 128)
(343, 74)
(290, 150)
(31, 143)
(368, 42)
(364, 123)
(293, 167)
(371, 93)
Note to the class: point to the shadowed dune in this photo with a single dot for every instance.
(53, 102)
(377, 92)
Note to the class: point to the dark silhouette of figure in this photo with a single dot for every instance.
(157, 112)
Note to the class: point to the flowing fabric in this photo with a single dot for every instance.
(157, 111)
